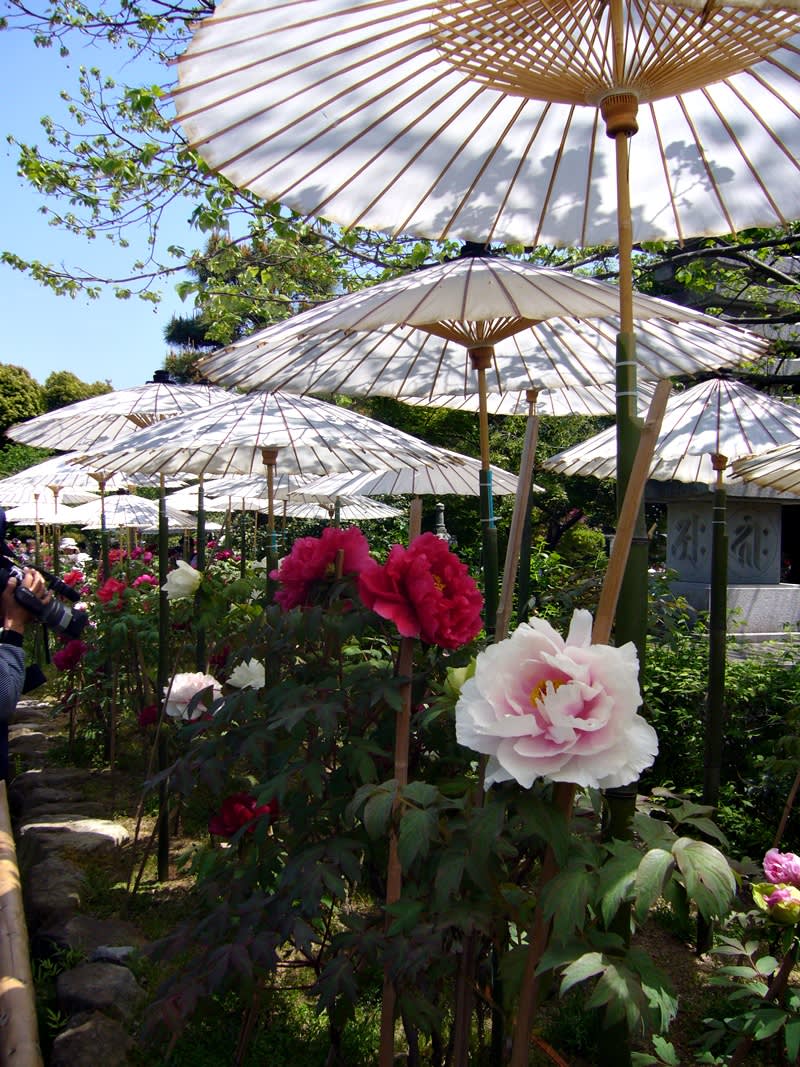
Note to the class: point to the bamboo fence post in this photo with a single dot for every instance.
(19, 1043)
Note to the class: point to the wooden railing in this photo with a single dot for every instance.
(19, 1033)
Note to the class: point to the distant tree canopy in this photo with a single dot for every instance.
(21, 396)
(62, 387)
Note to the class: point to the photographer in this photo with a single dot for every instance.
(15, 618)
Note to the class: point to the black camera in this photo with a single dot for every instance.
(59, 617)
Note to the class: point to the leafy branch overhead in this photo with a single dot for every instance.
(116, 165)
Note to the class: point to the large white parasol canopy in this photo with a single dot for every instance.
(128, 510)
(486, 121)
(86, 423)
(311, 437)
(413, 336)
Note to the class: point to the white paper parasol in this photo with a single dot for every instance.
(715, 417)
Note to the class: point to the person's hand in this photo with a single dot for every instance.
(15, 616)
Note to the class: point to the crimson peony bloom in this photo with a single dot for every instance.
(115, 555)
(112, 592)
(68, 657)
(312, 561)
(426, 591)
(148, 716)
(238, 810)
(73, 578)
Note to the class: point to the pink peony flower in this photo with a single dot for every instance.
(783, 904)
(112, 592)
(182, 690)
(782, 867)
(426, 591)
(68, 657)
(238, 810)
(313, 560)
(144, 579)
(543, 707)
(148, 716)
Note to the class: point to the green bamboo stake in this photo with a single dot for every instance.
(717, 642)
(481, 359)
(200, 656)
(163, 681)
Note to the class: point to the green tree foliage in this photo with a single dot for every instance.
(15, 457)
(20, 396)
(63, 387)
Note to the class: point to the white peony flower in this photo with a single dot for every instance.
(182, 582)
(543, 707)
(250, 674)
(183, 688)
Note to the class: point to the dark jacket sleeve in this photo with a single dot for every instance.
(12, 676)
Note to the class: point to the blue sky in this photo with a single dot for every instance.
(104, 339)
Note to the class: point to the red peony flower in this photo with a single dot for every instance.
(426, 591)
(73, 578)
(68, 657)
(148, 716)
(313, 559)
(224, 553)
(115, 555)
(238, 810)
(112, 592)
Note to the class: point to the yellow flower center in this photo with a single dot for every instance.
(540, 689)
(438, 582)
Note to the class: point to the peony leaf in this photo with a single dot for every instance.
(565, 900)
(617, 879)
(650, 877)
(415, 834)
(706, 874)
(792, 1037)
(378, 811)
(587, 966)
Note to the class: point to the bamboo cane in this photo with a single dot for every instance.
(394, 873)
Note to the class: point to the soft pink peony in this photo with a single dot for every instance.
(238, 810)
(782, 867)
(426, 591)
(543, 707)
(183, 688)
(312, 561)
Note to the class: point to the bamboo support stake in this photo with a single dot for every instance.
(20, 1036)
(394, 873)
(518, 518)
